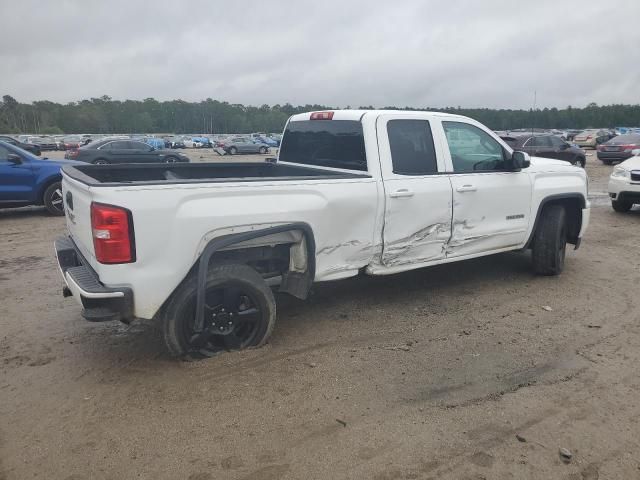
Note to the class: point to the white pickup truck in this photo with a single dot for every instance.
(201, 246)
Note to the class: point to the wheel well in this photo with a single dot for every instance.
(573, 205)
(269, 261)
(47, 184)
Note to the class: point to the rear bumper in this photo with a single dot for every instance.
(99, 303)
(622, 155)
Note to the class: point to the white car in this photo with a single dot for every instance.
(199, 246)
(624, 184)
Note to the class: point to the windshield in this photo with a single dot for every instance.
(326, 143)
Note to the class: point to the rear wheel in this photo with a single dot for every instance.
(170, 159)
(581, 162)
(263, 150)
(101, 161)
(606, 162)
(233, 151)
(550, 241)
(621, 206)
(52, 199)
(240, 312)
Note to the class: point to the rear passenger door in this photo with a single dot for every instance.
(417, 221)
(491, 203)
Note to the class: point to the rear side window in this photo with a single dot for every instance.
(325, 143)
(412, 149)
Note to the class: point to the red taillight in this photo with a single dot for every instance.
(72, 154)
(589, 137)
(629, 147)
(113, 239)
(322, 116)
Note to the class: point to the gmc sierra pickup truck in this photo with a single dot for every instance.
(200, 247)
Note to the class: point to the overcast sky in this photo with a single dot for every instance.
(436, 53)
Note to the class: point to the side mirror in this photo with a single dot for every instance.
(15, 159)
(564, 146)
(520, 160)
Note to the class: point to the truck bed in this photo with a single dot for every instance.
(176, 173)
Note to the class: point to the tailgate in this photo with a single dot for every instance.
(77, 203)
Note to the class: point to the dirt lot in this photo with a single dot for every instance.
(429, 374)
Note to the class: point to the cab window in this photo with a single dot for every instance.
(412, 149)
(473, 149)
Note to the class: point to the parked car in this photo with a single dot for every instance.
(121, 150)
(174, 142)
(592, 138)
(548, 146)
(28, 180)
(198, 247)
(157, 143)
(201, 142)
(624, 184)
(34, 149)
(45, 144)
(236, 145)
(618, 148)
(269, 142)
(71, 142)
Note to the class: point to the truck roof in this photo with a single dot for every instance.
(358, 114)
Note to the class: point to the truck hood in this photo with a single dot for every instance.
(539, 164)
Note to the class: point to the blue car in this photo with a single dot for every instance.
(270, 142)
(157, 143)
(29, 180)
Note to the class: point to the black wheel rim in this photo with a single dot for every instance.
(233, 320)
(56, 199)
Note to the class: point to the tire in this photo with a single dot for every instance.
(263, 150)
(607, 162)
(170, 159)
(581, 161)
(233, 151)
(100, 161)
(550, 241)
(225, 283)
(52, 199)
(621, 206)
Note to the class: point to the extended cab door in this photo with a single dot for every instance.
(491, 204)
(417, 220)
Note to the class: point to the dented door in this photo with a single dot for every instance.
(491, 203)
(418, 201)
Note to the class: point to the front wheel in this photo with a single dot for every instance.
(170, 160)
(233, 151)
(607, 162)
(621, 206)
(550, 241)
(263, 150)
(52, 199)
(582, 162)
(100, 161)
(240, 312)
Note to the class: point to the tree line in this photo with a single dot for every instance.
(106, 115)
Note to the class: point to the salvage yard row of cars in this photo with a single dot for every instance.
(37, 144)
(244, 249)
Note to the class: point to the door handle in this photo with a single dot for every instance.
(466, 188)
(402, 193)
